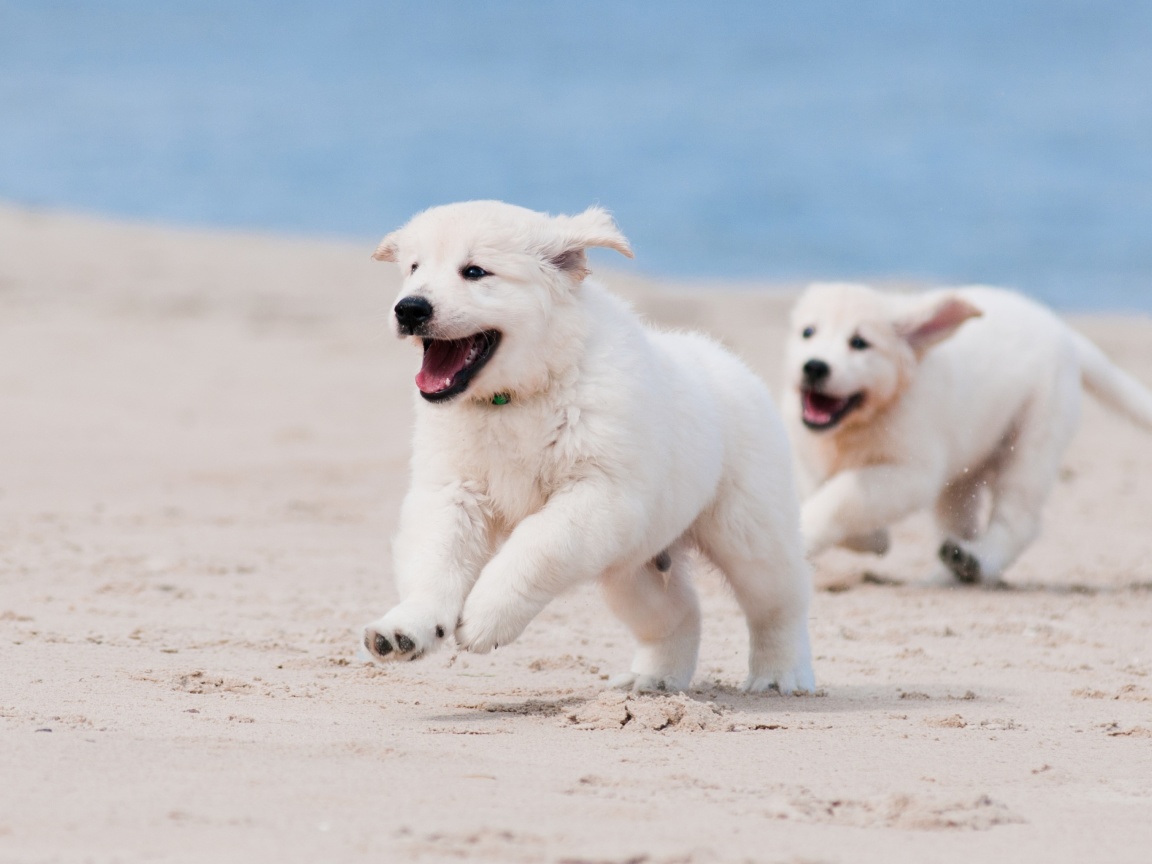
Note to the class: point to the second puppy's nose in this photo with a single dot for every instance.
(411, 312)
(816, 370)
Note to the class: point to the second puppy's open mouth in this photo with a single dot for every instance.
(451, 364)
(821, 411)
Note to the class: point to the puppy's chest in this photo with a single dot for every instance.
(521, 464)
(852, 450)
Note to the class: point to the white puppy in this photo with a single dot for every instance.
(558, 440)
(896, 404)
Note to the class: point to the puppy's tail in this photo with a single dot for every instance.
(1112, 385)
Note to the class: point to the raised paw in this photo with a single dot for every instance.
(492, 617)
(405, 633)
(963, 565)
(482, 633)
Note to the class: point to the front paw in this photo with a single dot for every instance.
(405, 633)
(491, 620)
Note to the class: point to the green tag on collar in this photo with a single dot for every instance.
(501, 399)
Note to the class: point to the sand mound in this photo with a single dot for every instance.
(650, 713)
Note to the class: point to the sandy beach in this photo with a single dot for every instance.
(203, 448)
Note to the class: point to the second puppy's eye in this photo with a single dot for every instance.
(858, 343)
(474, 272)
(808, 332)
(415, 264)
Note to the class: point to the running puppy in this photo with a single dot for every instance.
(962, 400)
(559, 440)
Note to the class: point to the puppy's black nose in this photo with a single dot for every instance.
(816, 370)
(411, 312)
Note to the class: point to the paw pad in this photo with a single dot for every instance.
(963, 565)
(382, 645)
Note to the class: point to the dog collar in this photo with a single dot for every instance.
(501, 399)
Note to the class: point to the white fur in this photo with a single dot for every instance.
(970, 397)
(618, 443)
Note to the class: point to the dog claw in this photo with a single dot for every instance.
(383, 646)
(964, 566)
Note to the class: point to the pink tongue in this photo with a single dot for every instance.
(820, 409)
(442, 360)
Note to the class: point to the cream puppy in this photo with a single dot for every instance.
(559, 440)
(961, 400)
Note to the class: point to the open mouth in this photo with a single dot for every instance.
(821, 411)
(450, 364)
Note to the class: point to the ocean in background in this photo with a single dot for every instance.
(1006, 141)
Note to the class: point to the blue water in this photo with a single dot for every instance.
(1007, 141)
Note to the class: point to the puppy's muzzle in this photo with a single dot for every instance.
(816, 371)
(412, 313)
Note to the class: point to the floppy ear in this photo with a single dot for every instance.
(386, 251)
(593, 227)
(934, 322)
(574, 234)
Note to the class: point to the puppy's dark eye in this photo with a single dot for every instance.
(415, 264)
(474, 272)
(858, 343)
(808, 332)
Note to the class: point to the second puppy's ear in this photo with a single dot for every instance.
(575, 234)
(934, 322)
(387, 249)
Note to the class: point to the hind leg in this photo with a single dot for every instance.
(1018, 499)
(959, 509)
(756, 544)
(1024, 477)
(959, 505)
(658, 603)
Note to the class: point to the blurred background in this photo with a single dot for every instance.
(1008, 142)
